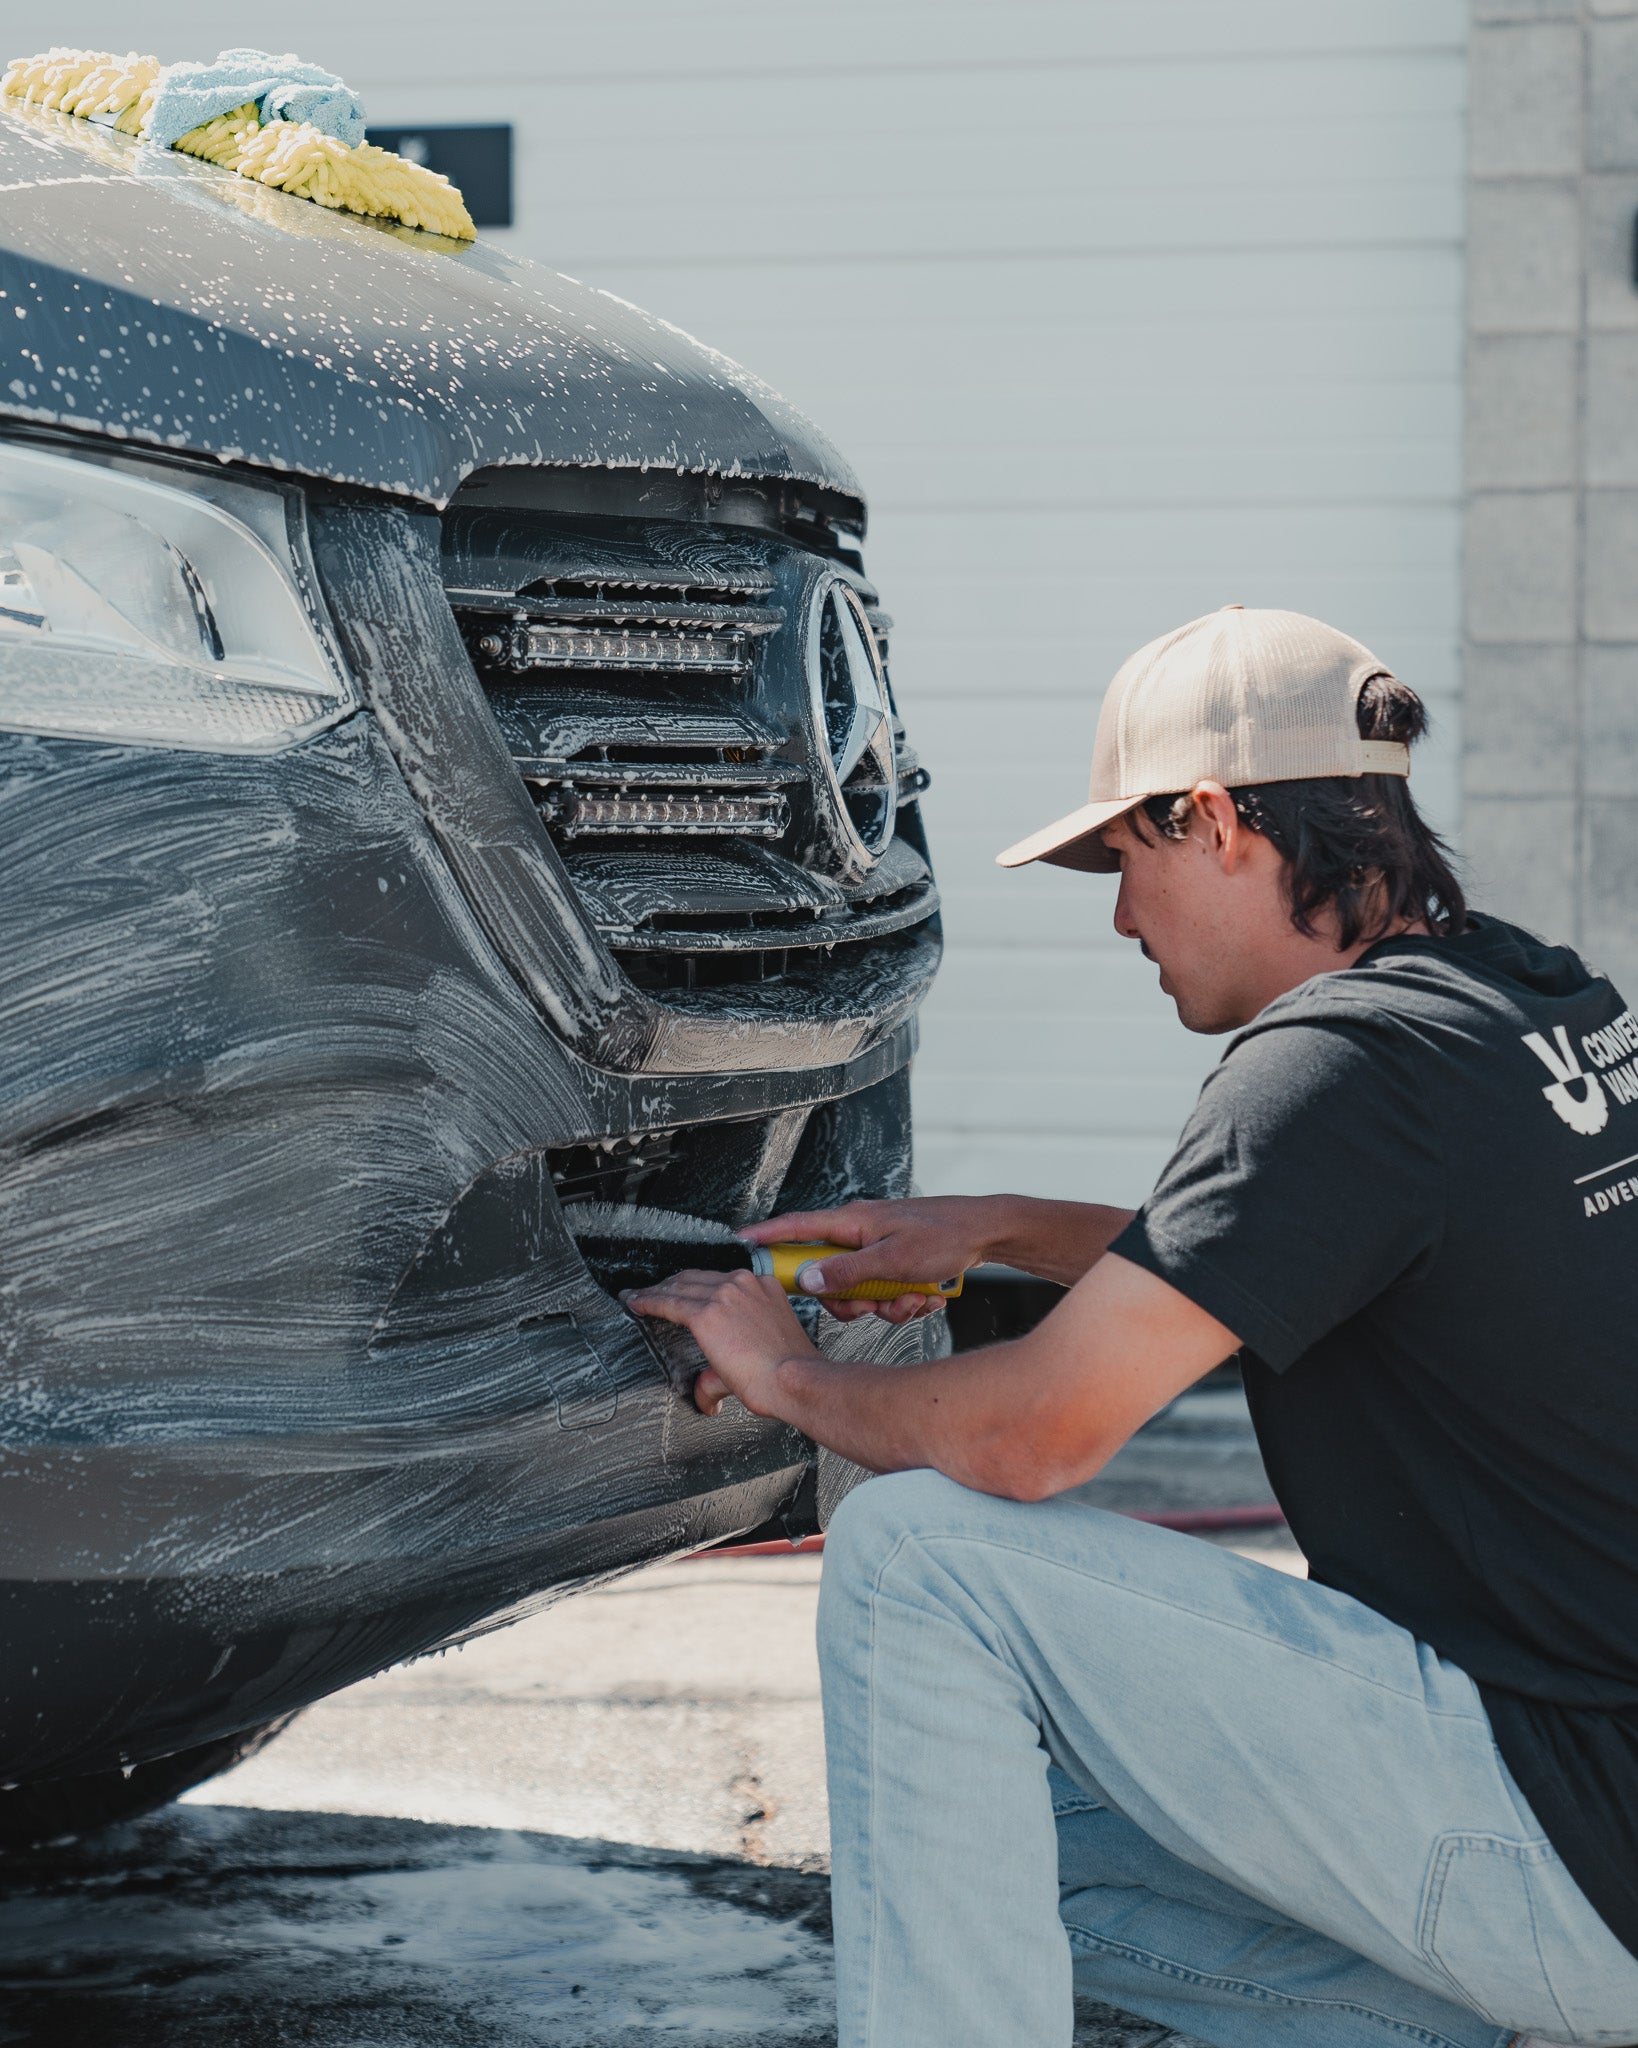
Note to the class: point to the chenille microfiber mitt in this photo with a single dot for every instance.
(282, 88)
(273, 120)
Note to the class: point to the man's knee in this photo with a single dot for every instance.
(868, 1529)
(875, 1517)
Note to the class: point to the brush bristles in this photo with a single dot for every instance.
(630, 1220)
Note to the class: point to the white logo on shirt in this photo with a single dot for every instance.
(1587, 1113)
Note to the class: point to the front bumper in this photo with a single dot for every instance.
(303, 1375)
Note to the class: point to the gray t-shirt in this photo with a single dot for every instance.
(1411, 1189)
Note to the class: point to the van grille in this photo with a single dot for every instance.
(650, 681)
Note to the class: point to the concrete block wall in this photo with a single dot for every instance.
(1550, 700)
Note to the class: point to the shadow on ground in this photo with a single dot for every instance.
(207, 1925)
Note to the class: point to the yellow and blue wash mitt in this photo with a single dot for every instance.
(281, 122)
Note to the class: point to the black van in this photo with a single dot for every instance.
(448, 775)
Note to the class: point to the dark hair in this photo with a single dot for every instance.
(1353, 842)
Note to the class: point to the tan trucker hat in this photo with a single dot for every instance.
(1237, 697)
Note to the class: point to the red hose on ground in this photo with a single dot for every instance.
(1195, 1520)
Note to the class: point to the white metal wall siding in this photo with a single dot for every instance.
(1122, 308)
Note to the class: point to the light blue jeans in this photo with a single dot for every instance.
(1071, 1751)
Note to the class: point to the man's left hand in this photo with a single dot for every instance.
(741, 1321)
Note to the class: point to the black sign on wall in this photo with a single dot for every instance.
(476, 161)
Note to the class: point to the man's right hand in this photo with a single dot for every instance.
(934, 1237)
(925, 1238)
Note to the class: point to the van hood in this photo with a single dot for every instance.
(153, 298)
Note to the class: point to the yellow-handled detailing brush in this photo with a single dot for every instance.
(785, 1262)
(630, 1246)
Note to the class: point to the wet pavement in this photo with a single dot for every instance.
(209, 1925)
(604, 1824)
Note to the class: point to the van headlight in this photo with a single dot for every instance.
(158, 607)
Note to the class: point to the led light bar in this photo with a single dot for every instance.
(762, 816)
(616, 648)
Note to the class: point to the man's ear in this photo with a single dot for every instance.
(1219, 824)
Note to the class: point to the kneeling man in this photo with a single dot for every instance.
(1396, 1802)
